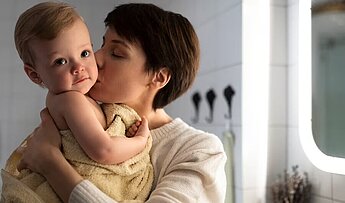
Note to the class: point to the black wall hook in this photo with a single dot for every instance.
(196, 99)
(229, 92)
(210, 96)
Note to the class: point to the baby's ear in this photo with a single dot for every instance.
(32, 74)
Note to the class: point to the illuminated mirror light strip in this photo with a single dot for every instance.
(255, 92)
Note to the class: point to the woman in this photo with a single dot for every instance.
(149, 57)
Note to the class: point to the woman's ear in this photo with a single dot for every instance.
(161, 78)
(32, 74)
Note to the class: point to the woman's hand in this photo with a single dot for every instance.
(41, 145)
(42, 155)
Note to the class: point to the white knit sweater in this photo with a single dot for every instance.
(188, 167)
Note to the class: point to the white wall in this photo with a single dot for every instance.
(219, 26)
(222, 64)
(284, 149)
(220, 30)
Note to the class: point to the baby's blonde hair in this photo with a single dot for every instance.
(42, 21)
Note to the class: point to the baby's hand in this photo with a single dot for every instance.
(131, 131)
(139, 128)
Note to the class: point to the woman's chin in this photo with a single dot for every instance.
(92, 93)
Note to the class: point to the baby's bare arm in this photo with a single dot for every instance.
(127, 147)
(90, 134)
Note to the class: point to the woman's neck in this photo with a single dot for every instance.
(157, 118)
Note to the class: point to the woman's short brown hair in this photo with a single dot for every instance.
(42, 21)
(168, 40)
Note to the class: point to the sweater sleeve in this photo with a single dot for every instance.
(191, 171)
(195, 173)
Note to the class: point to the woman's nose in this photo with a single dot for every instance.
(99, 58)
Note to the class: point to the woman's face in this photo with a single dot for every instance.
(122, 77)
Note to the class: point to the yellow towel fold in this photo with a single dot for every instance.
(130, 180)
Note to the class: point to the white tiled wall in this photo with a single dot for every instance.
(284, 149)
(222, 65)
(219, 27)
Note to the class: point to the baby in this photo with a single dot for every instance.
(54, 44)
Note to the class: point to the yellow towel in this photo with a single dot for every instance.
(130, 180)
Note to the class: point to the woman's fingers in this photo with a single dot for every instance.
(35, 146)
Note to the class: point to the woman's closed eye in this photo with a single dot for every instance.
(118, 54)
(114, 54)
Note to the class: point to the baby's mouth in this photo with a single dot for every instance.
(81, 80)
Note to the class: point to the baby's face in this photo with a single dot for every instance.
(67, 62)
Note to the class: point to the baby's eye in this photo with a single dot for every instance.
(85, 54)
(60, 61)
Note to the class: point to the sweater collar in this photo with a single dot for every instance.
(167, 129)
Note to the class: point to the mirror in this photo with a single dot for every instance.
(328, 71)
(321, 98)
